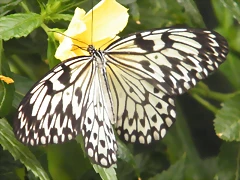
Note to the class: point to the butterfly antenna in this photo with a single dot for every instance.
(92, 25)
(82, 48)
(108, 42)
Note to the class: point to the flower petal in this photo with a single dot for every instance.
(77, 25)
(109, 18)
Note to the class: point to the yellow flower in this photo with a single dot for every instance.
(7, 80)
(109, 18)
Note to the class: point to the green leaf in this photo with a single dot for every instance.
(223, 14)
(191, 9)
(6, 90)
(174, 172)
(19, 151)
(106, 173)
(126, 155)
(233, 6)
(134, 11)
(6, 6)
(127, 2)
(65, 17)
(231, 70)
(54, 9)
(227, 121)
(229, 162)
(64, 167)
(8, 165)
(18, 25)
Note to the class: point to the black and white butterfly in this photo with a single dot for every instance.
(129, 86)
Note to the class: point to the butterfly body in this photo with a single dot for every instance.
(130, 85)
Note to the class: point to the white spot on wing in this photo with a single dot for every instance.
(103, 161)
(156, 135)
(168, 121)
(55, 139)
(43, 140)
(163, 132)
(141, 139)
(90, 152)
(173, 113)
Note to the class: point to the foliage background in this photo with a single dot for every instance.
(202, 144)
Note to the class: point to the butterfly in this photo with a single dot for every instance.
(129, 86)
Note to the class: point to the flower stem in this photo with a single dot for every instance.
(25, 7)
(205, 103)
(203, 90)
(23, 67)
(46, 28)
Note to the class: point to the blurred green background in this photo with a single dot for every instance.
(202, 144)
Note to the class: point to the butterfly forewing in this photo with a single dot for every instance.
(46, 114)
(147, 69)
(177, 58)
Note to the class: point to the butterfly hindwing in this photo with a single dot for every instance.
(99, 138)
(144, 112)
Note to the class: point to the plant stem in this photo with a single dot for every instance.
(203, 90)
(25, 7)
(205, 103)
(23, 67)
(45, 28)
